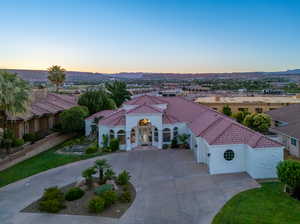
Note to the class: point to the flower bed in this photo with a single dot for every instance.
(108, 195)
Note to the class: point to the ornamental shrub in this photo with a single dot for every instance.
(123, 178)
(288, 172)
(52, 206)
(103, 188)
(174, 143)
(96, 204)
(125, 197)
(29, 137)
(110, 197)
(93, 148)
(74, 193)
(52, 193)
(18, 142)
(114, 145)
(52, 200)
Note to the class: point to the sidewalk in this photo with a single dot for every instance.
(34, 149)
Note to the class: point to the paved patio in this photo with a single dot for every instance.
(171, 188)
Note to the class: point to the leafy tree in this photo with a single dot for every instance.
(240, 116)
(258, 122)
(72, 120)
(288, 172)
(101, 165)
(118, 92)
(227, 110)
(56, 75)
(96, 100)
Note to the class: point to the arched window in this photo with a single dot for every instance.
(132, 136)
(166, 135)
(155, 135)
(121, 137)
(111, 134)
(175, 132)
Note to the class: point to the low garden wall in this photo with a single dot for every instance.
(29, 150)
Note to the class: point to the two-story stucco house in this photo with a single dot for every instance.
(215, 139)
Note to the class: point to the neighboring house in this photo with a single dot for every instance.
(253, 104)
(286, 123)
(42, 114)
(215, 139)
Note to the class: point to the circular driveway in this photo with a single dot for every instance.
(171, 188)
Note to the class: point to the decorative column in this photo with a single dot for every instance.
(128, 142)
(160, 139)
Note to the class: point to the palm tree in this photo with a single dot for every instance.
(88, 175)
(109, 174)
(118, 92)
(101, 165)
(14, 97)
(56, 76)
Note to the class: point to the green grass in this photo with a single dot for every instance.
(265, 205)
(39, 163)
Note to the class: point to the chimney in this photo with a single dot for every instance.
(39, 94)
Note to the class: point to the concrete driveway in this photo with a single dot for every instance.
(171, 188)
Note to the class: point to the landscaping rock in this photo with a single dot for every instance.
(95, 184)
(80, 182)
(84, 188)
(112, 182)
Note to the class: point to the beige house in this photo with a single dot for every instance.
(43, 113)
(253, 104)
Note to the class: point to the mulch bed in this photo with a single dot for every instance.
(80, 206)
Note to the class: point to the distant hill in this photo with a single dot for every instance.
(89, 77)
(41, 76)
(288, 72)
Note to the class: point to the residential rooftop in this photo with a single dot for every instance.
(249, 99)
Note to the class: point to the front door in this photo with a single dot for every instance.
(145, 135)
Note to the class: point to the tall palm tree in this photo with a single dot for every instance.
(56, 76)
(14, 96)
(118, 92)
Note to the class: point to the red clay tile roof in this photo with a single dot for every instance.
(114, 119)
(214, 127)
(145, 99)
(53, 103)
(144, 109)
(103, 113)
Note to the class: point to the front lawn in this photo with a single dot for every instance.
(264, 205)
(41, 162)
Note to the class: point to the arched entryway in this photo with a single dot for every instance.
(145, 132)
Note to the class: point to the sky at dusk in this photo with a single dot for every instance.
(151, 36)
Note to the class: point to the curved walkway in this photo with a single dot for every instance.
(171, 188)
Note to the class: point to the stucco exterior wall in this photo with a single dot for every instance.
(261, 163)
(218, 164)
(88, 127)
